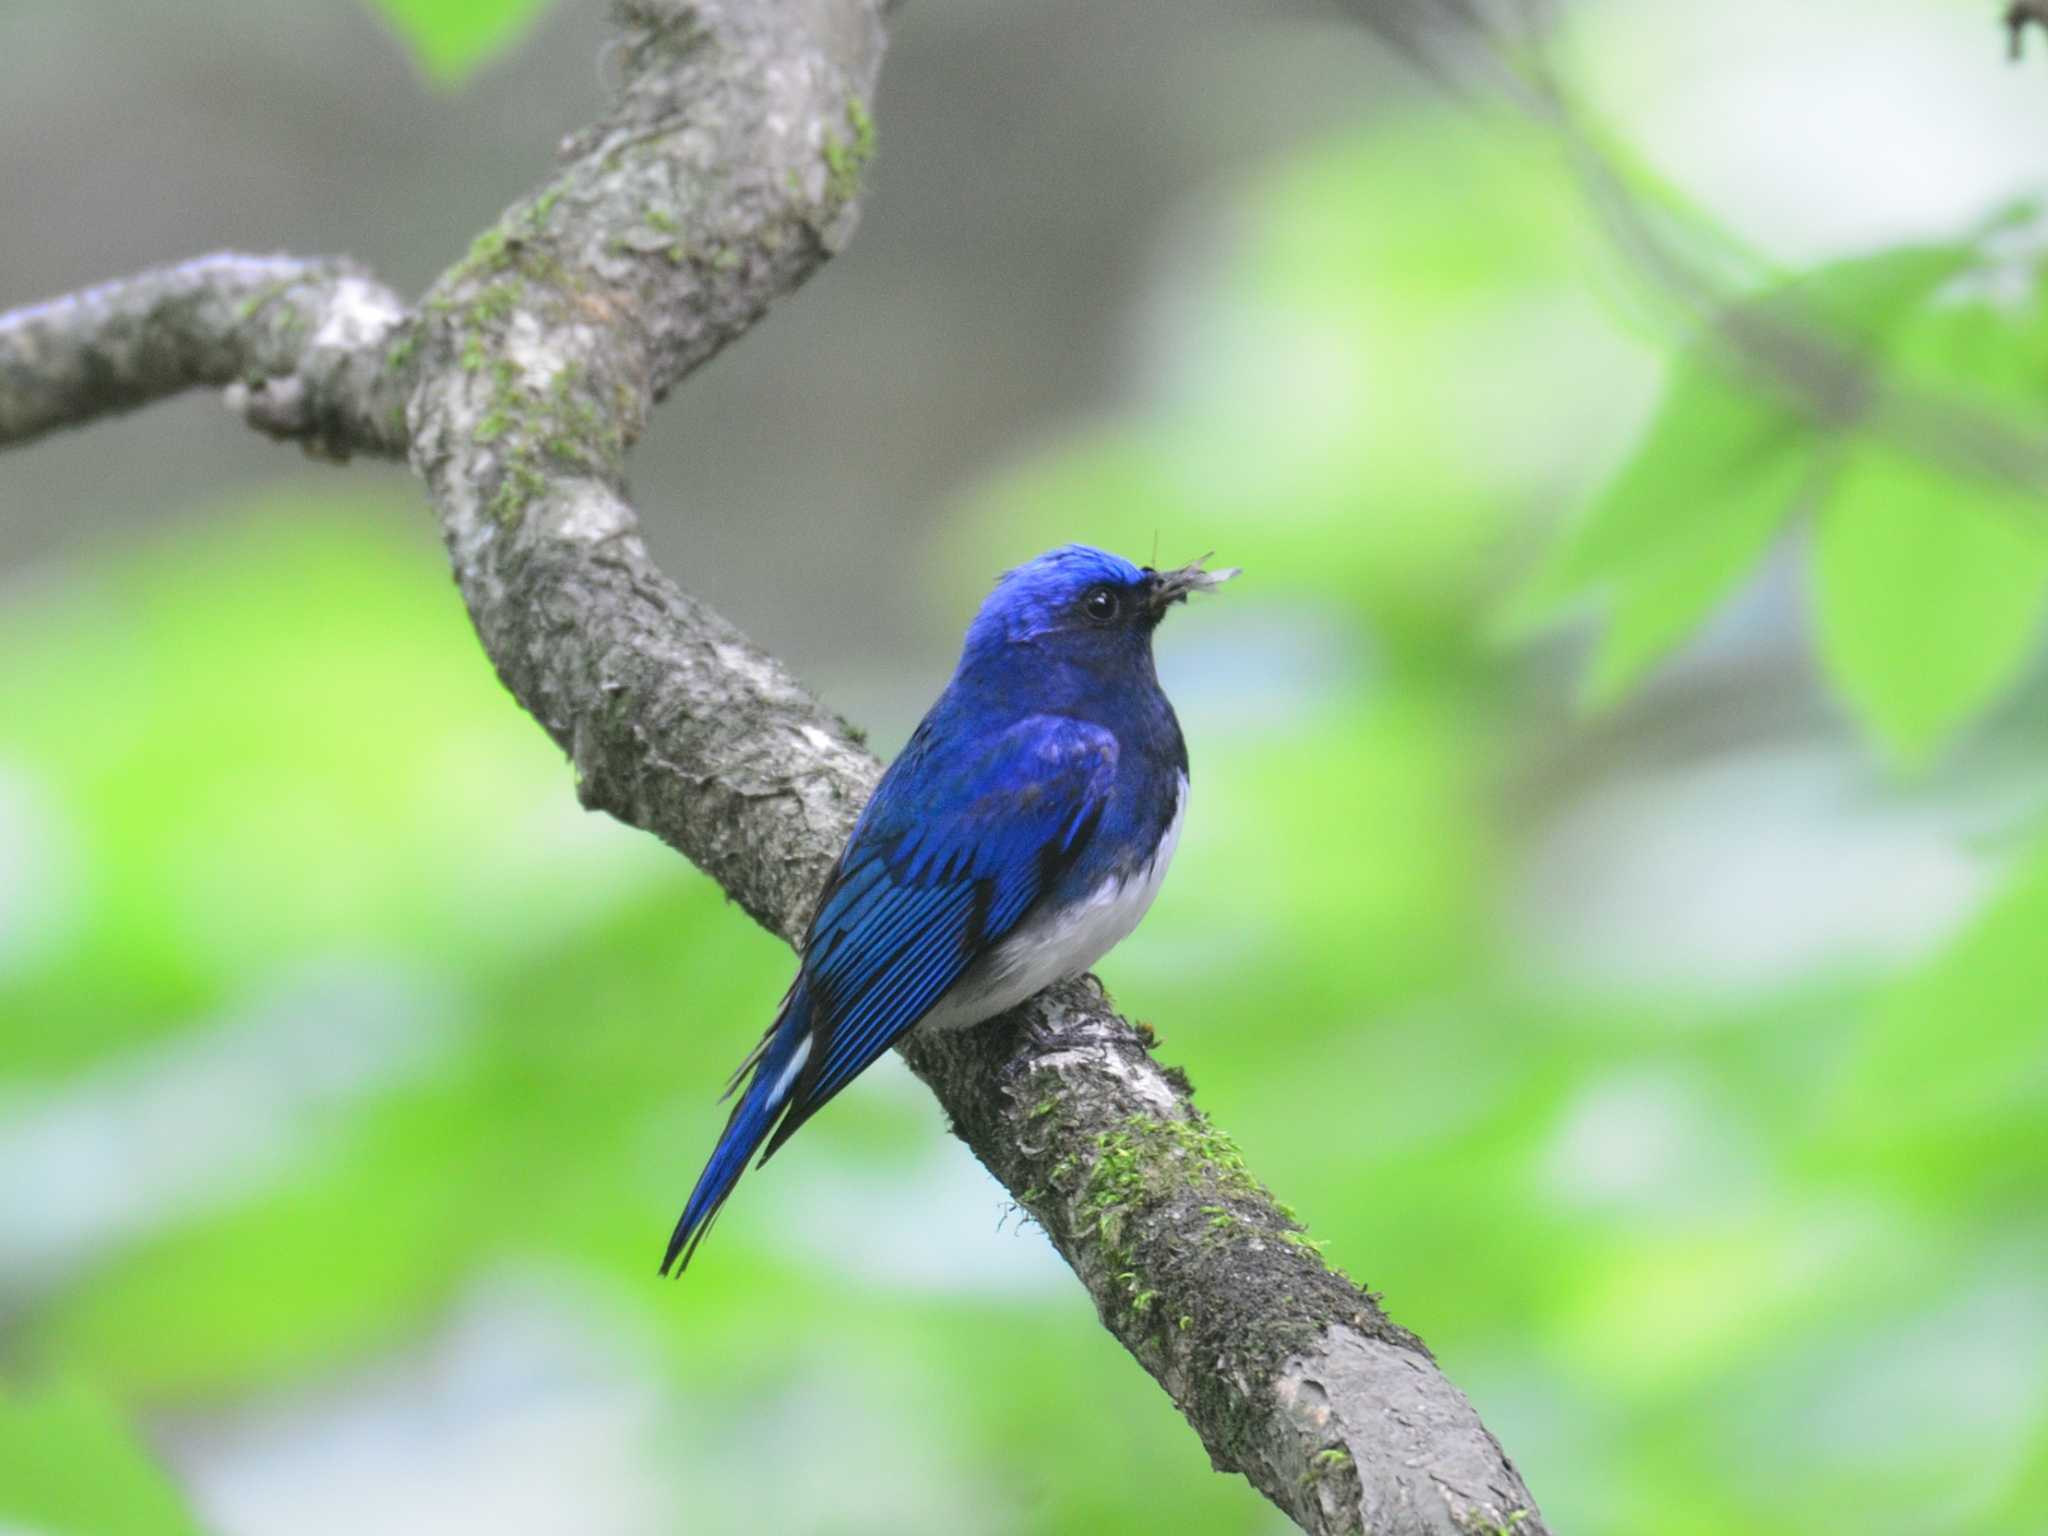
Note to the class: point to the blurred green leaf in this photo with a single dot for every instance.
(69, 1466)
(1863, 299)
(1664, 603)
(1713, 439)
(452, 38)
(1980, 354)
(1957, 1059)
(1681, 525)
(1929, 580)
(1928, 591)
(1718, 471)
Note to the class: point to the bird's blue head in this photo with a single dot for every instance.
(1081, 610)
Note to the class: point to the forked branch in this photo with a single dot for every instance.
(728, 169)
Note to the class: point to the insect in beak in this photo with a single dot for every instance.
(1170, 587)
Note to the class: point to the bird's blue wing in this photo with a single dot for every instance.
(961, 838)
(954, 849)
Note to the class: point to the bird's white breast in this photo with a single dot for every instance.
(1050, 946)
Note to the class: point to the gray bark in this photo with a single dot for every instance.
(296, 345)
(726, 172)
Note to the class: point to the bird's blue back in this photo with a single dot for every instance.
(1051, 764)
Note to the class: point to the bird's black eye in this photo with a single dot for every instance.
(1101, 604)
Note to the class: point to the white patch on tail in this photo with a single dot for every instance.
(796, 1064)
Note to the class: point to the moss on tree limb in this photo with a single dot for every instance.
(726, 172)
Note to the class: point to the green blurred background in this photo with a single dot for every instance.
(1612, 911)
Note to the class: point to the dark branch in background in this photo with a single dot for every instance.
(726, 172)
(2018, 17)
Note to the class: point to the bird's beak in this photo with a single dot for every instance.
(1170, 587)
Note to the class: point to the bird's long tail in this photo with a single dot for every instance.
(775, 1064)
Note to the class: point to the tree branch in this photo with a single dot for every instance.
(297, 344)
(726, 172)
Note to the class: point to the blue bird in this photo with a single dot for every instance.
(1018, 838)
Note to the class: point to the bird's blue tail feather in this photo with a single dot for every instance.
(775, 1067)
